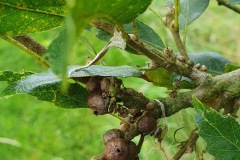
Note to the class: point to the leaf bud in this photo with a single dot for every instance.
(198, 65)
(181, 58)
(203, 68)
(132, 37)
(190, 63)
(165, 21)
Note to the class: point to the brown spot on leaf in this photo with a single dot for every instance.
(21, 5)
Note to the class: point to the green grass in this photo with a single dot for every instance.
(48, 132)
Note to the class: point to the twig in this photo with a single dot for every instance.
(41, 60)
(181, 68)
(229, 5)
(134, 28)
(188, 145)
(177, 11)
(170, 23)
(179, 43)
(120, 118)
(31, 44)
(140, 142)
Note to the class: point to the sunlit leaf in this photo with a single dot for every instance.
(10, 77)
(22, 17)
(222, 133)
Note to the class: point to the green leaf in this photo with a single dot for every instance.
(230, 67)
(222, 133)
(233, 1)
(159, 77)
(10, 77)
(94, 70)
(190, 10)
(46, 86)
(121, 11)
(115, 11)
(84, 40)
(214, 62)
(58, 53)
(184, 84)
(146, 34)
(22, 17)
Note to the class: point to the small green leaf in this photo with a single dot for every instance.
(222, 133)
(230, 67)
(159, 77)
(184, 84)
(47, 86)
(94, 70)
(10, 77)
(214, 62)
(146, 34)
(190, 10)
(22, 17)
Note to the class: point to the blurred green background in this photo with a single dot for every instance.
(34, 130)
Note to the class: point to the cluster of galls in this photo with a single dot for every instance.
(106, 95)
(117, 147)
(118, 144)
(102, 97)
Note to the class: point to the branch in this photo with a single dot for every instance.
(31, 44)
(211, 93)
(170, 22)
(209, 88)
(229, 5)
(227, 85)
(166, 59)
